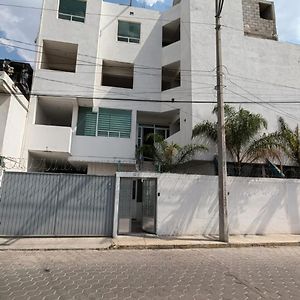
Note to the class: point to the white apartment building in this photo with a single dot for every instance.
(108, 75)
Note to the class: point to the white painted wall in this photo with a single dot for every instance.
(85, 35)
(269, 69)
(188, 204)
(13, 114)
(4, 106)
(50, 138)
(107, 169)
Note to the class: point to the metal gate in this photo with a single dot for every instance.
(41, 204)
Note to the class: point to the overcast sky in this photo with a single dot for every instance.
(22, 24)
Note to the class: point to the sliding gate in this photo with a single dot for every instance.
(41, 204)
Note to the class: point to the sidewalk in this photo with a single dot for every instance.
(146, 242)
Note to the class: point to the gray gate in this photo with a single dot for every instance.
(56, 205)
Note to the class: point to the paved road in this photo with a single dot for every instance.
(248, 273)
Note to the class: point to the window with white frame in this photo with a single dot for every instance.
(107, 122)
(72, 10)
(129, 32)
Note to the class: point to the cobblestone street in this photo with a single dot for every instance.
(246, 273)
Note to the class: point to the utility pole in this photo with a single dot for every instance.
(222, 168)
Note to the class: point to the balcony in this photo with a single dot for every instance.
(44, 138)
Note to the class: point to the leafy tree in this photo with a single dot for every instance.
(289, 141)
(169, 155)
(245, 141)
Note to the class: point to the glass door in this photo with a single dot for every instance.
(149, 205)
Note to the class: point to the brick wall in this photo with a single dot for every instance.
(254, 24)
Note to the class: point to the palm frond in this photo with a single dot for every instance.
(207, 129)
(265, 147)
(188, 151)
(289, 141)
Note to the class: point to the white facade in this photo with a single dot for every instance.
(13, 115)
(256, 70)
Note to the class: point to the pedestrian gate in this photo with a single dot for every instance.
(41, 204)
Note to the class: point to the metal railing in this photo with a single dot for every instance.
(111, 133)
(128, 39)
(71, 17)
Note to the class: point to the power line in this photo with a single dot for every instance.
(270, 104)
(260, 81)
(105, 15)
(172, 101)
(89, 63)
(148, 67)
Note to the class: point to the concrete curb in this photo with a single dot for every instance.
(163, 247)
(206, 246)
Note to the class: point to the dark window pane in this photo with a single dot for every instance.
(129, 30)
(87, 120)
(65, 17)
(75, 8)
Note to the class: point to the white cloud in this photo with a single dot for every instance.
(20, 24)
(151, 2)
(288, 20)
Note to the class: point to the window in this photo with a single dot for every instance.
(171, 76)
(87, 122)
(129, 32)
(114, 123)
(145, 130)
(266, 11)
(59, 56)
(117, 74)
(107, 122)
(72, 10)
(171, 33)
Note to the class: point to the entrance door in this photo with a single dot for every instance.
(125, 210)
(149, 205)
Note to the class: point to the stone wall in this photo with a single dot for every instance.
(259, 19)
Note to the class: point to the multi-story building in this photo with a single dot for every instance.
(108, 75)
(15, 85)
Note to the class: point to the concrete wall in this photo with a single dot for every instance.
(13, 116)
(256, 70)
(102, 169)
(4, 105)
(85, 35)
(188, 204)
(58, 138)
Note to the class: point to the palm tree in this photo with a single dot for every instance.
(289, 141)
(169, 155)
(245, 141)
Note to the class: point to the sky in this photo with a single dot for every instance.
(21, 24)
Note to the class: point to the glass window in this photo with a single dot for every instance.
(73, 10)
(107, 122)
(87, 122)
(129, 32)
(114, 123)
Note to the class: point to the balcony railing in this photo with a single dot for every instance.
(128, 39)
(71, 17)
(50, 138)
